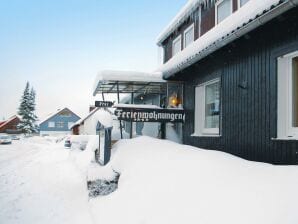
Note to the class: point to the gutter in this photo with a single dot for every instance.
(261, 20)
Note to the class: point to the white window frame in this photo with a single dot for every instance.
(60, 124)
(285, 129)
(239, 4)
(191, 27)
(200, 129)
(51, 124)
(177, 39)
(216, 6)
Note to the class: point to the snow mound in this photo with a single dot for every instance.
(104, 117)
(164, 182)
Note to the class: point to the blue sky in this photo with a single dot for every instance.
(60, 45)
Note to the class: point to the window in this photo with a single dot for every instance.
(189, 35)
(70, 124)
(60, 124)
(65, 113)
(207, 111)
(242, 2)
(223, 9)
(51, 124)
(288, 96)
(176, 45)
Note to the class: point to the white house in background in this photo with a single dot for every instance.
(88, 124)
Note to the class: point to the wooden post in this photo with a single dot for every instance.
(131, 123)
(118, 96)
(163, 130)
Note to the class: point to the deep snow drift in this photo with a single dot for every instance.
(164, 182)
(160, 182)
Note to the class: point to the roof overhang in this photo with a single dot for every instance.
(246, 19)
(180, 18)
(129, 82)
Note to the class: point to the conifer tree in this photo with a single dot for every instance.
(27, 111)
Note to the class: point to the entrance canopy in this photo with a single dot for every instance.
(109, 81)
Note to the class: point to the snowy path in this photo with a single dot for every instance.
(39, 184)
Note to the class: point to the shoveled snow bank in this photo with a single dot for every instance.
(164, 182)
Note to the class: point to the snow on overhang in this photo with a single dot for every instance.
(253, 14)
(182, 15)
(111, 77)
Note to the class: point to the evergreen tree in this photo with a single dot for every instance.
(27, 111)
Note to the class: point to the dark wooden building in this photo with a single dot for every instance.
(239, 63)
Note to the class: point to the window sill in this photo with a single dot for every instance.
(285, 139)
(202, 135)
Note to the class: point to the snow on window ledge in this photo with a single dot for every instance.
(285, 139)
(204, 135)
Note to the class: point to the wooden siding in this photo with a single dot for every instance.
(249, 115)
(207, 19)
(11, 126)
(235, 5)
(201, 26)
(167, 44)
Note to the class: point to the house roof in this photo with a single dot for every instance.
(3, 123)
(54, 114)
(181, 16)
(250, 16)
(79, 122)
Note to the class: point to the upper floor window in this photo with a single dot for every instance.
(51, 124)
(60, 124)
(223, 9)
(176, 45)
(207, 110)
(288, 96)
(242, 2)
(189, 35)
(65, 114)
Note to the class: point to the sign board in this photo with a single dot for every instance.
(103, 104)
(150, 115)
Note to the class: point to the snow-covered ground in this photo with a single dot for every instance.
(39, 184)
(160, 182)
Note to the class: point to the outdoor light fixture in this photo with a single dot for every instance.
(174, 100)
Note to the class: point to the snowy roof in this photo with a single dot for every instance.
(53, 114)
(3, 123)
(79, 122)
(253, 14)
(144, 106)
(85, 118)
(182, 15)
(106, 81)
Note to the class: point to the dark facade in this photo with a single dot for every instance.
(247, 69)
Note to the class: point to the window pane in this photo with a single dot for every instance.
(224, 9)
(295, 92)
(51, 124)
(176, 46)
(212, 105)
(189, 37)
(242, 2)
